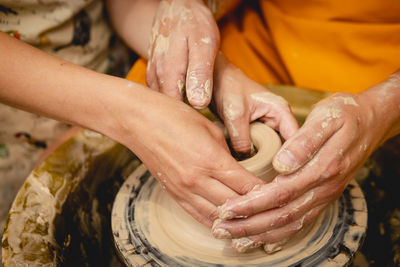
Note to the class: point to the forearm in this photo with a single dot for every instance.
(385, 100)
(133, 20)
(37, 82)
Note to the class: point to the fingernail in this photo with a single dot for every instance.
(221, 233)
(225, 214)
(243, 244)
(216, 222)
(285, 162)
(274, 247)
(197, 96)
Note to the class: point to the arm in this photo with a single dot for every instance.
(316, 164)
(133, 21)
(186, 56)
(145, 121)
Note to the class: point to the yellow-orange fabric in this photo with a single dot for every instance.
(329, 45)
(138, 72)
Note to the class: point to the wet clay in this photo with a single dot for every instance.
(150, 227)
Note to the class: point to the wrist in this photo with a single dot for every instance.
(384, 99)
(121, 110)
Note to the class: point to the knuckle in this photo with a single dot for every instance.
(241, 231)
(333, 170)
(334, 192)
(213, 40)
(188, 181)
(212, 215)
(208, 37)
(199, 73)
(307, 145)
(282, 101)
(244, 189)
(241, 145)
(252, 209)
(285, 218)
(283, 196)
(217, 133)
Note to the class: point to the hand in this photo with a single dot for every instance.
(188, 155)
(239, 100)
(186, 152)
(316, 164)
(182, 49)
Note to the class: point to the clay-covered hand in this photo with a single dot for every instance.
(188, 155)
(315, 166)
(182, 49)
(238, 101)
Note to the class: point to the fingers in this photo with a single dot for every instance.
(199, 77)
(324, 178)
(199, 208)
(212, 190)
(262, 198)
(277, 217)
(275, 112)
(239, 133)
(302, 146)
(236, 120)
(167, 70)
(287, 124)
(274, 240)
(267, 220)
(234, 176)
(189, 61)
(323, 169)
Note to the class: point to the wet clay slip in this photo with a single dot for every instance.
(151, 229)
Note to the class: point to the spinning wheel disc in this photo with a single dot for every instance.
(149, 227)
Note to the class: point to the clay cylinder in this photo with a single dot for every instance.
(267, 143)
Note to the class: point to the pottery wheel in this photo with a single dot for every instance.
(150, 228)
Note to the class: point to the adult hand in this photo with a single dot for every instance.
(188, 154)
(182, 49)
(316, 164)
(184, 150)
(239, 100)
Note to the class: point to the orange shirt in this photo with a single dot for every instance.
(328, 45)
